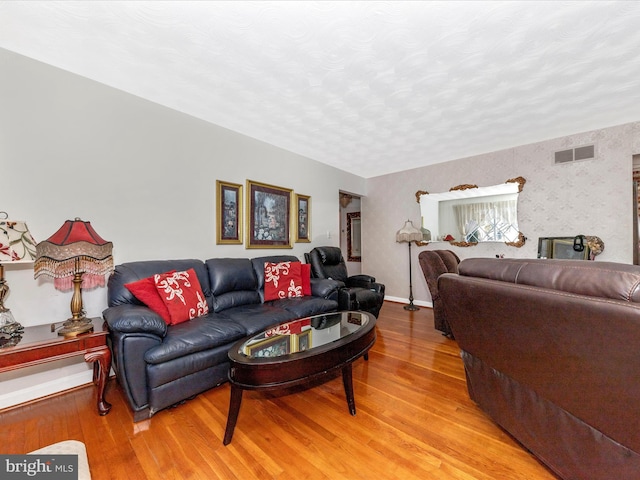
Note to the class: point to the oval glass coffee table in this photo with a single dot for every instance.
(299, 352)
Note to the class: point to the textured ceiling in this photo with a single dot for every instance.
(368, 87)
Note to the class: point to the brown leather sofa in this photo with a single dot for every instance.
(551, 350)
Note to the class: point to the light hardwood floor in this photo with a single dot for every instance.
(414, 421)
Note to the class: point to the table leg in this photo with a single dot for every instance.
(347, 380)
(101, 368)
(234, 409)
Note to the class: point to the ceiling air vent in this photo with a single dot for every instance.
(574, 154)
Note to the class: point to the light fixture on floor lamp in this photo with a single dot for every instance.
(409, 234)
(76, 257)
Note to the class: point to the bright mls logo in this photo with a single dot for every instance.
(50, 467)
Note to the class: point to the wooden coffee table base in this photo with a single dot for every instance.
(236, 399)
(330, 344)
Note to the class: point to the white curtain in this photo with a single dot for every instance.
(470, 216)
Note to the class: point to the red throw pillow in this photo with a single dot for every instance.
(282, 280)
(305, 273)
(182, 294)
(145, 290)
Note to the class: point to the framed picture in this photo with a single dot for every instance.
(229, 211)
(268, 216)
(303, 231)
(353, 237)
(271, 347)
(303, 340)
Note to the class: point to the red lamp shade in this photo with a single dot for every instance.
(75, 247)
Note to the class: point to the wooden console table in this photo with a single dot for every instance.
(40, 345)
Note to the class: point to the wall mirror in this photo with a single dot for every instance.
(353, 237)
(467, 214)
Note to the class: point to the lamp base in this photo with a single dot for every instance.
(73, 327)
(8, 324)
(411, 307)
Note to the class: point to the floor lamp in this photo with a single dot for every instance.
(409, 234)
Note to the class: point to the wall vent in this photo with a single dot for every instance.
(574, 154)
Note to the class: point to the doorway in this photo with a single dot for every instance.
(350, 228)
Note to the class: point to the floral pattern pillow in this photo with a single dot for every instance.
(182, 294)
(282, 280)
(145, 290)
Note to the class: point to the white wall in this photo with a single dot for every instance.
(144, 175)
(590, 197)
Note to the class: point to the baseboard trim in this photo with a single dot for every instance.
(420, 303)
(36, 392)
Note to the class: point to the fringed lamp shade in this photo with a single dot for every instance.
(75, 247)
(408, 233)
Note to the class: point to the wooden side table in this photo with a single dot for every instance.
(40, 345)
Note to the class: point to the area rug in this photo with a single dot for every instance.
(69, 447)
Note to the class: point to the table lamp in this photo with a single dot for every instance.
(409, 234)
(76, 257)
(16, 246)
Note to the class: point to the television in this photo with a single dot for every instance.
(563, 247)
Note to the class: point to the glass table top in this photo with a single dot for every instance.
(303, 334)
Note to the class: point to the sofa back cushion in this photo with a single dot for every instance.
(258, 268)
(610, 280)
(130, 272)
(233, 283)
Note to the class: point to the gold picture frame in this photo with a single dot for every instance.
(303, 218)
(228, 213)
(268, 216)
(302, 341)
(275, 346)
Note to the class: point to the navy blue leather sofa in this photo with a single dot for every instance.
(160, 365)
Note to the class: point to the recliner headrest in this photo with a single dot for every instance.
(330, 255)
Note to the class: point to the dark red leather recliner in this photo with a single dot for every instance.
(434, 263)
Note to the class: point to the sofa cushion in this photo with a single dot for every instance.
(282, 280)
(181, 293)
(255, 318)
(199, 334)
(573, 276)
(146, 291)
(133, 271)
(233, 283)
(301, 307)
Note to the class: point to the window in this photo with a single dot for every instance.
(488, 221)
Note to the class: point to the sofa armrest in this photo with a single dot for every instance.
(325, 288)
(365, 281)
(362, 281)
(347, 299)
(134, 319)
